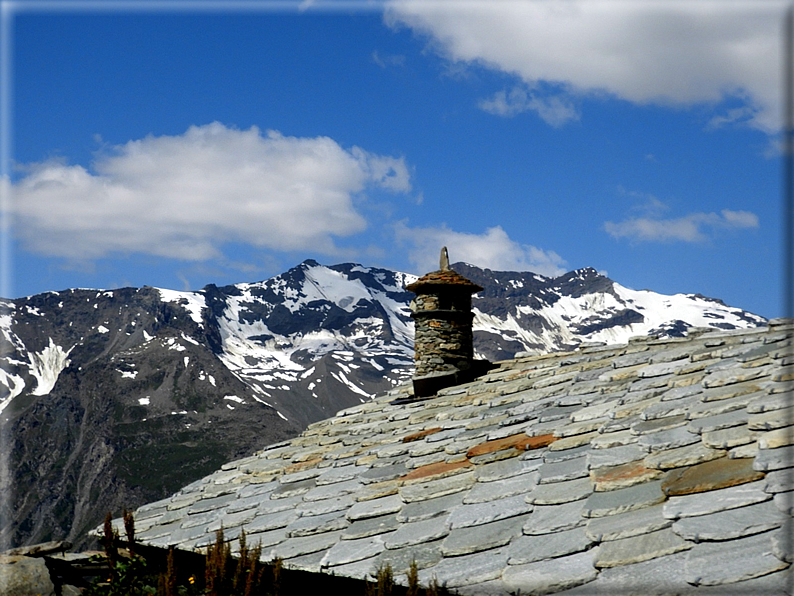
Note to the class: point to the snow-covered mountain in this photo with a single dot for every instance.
(113, 398)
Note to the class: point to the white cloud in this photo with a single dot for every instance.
(387, 60)
(555, 110)
(676, 52)
(696, 227)
(185, 196)
(493, 250)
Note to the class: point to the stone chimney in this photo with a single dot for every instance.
(443, 344)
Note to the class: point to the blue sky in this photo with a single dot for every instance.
(182, 144)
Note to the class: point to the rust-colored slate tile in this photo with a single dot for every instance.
(441, 468)
(621, 476)
(710, 475)
(299, 466)
(378, 490)
(421, 434)
(520, 442)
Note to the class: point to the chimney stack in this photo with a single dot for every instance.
(443, 343)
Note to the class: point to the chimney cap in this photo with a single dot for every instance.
(444, 276)
(437, 279)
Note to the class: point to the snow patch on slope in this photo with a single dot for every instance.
(46, 366)
(192, 302)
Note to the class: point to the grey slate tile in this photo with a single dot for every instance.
(642, 427)
(257, 490)
(625, 525)
(715, 500)
(213, 503)
(678, 457)
(267, 505)
(676, 394)
(770, 420)
(505, 468)
(555, 493)
(495, 587)
(730, 524)
(662, 575)
(521, 484)
(621, 500)
(528, 549)
(671, 438)
(312, 508)
(328, 491)
(774, 459)
(272, 521)
(728, 438)
(413, 533)
(714, 563)
(266, 539)
(233, 520)
(304, 545)
(779, 481)
(293, 489)
(719, 421)
(375, 507)
(425, 555)
(437, 488)
(550, 457)
(381, 473)
(454, 572)
(783, 541)
(421, 510)
(155, 509)
(642, 547)
(772, 584)
(785, 502)
(473, 539)
(200, 519)
(569, 469)
(551, 575)
(370, 526)
(179, 501)
(546, 519)
(310, 562)
(340, 474)
(614, 456)
(351, 551)
(317, 524)
(250, 502)
(614, 437)
(671, 407)
(476, 514)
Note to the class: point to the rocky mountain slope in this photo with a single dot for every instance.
(114, 398)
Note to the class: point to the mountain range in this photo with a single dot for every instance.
(114, 398)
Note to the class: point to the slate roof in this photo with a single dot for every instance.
(656, 467)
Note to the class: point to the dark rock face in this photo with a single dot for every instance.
(110, 399)
(129, 418)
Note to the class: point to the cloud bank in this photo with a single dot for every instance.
(493, 250)
(696, 227)
(670, 52)
(185, 196)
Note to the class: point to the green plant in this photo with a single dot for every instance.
(127, 572)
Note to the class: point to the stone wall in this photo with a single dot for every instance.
(443, 342)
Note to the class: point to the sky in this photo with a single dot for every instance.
(178, 144)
